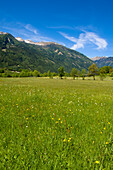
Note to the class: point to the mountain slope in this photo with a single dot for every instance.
(16, 54)
(104, 61)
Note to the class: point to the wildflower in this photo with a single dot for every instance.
(59, 119)
(69, 139)
(106, 143)
(26, 118)
(33, 115)
(109, 123)
(64, 140)
(56, 121)
(100, 132)
(104, 128)
(61, 122)
(97, 162)
(52, 118)
(93, 142)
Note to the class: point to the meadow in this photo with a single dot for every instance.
(53, 124)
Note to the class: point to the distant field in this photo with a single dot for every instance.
(53, 124)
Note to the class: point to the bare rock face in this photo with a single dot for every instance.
(35, 43)
(19, 39)
(40, 43)
(3, 32)
(98, 58)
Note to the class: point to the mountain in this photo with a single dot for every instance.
(16, 53)
(104, 61)
(97, 58)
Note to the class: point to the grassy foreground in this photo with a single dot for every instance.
(50, 124)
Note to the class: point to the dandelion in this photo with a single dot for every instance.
(109, 123)
(61, 122)
(93, 142)
(64, 140)
(69, 139)
(97, 162)
(33, 115)
(104, 128)
(26, 118)
(59, 119)
(56, 121)
(106, 143)
(100, 132)
(52, 118)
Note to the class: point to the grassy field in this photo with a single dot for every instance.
(52, 124)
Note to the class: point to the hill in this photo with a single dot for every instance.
(104, 61)
(43, 56)
(98, 58)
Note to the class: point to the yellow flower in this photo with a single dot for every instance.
(93, 142)
(33, 115)
(61, 122)
(56, 121)
(59, 119)
(104, 128)
(109, 123)
(64, 140)
(52, 118)
(97, 162)
(106, 143)
(101, 132)
(69, 138)
(26, 118)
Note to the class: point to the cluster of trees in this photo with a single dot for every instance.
(92, 71)
(25, 73)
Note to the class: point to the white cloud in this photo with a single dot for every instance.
(31, 28)
(24, 31)
(86, 38)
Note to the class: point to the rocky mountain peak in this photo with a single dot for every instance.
(2, 32)
(98, 58)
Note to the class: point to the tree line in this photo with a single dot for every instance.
(93, 70)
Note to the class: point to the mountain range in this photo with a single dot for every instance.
(16, 53)
(103, 61)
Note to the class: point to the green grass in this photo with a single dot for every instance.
(52, 124)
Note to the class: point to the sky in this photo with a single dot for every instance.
(82, 25)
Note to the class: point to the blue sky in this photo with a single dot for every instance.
(83, 25)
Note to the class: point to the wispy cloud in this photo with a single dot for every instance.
(26, 31)
(31, 29)
(62, 27)
(86, 38)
